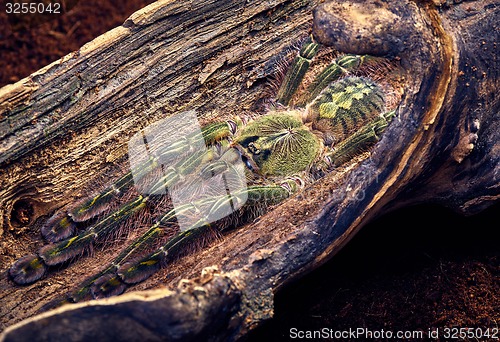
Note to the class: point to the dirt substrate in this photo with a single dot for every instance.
(417, 269)
(28, 43)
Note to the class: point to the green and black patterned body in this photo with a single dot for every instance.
(346, 106)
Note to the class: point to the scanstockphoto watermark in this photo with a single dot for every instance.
(356, 333)
(364, 334)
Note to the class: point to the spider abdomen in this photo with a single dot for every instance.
(345, 106)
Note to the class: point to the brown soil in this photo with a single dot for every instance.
(418, 269)
(28, 43)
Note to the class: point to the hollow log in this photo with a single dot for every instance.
(67, 125)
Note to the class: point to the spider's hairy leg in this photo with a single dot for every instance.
(106, 282)
(296, 72)
(272, 194)
(115, 283)
(358, 142)
(134, 272)
(93, 206)
(58, 227)
(61, 225)
(32, 267)
(27, 270)
(218, 131)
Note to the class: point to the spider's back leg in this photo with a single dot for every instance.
(296, 72)
(340, 67)
(358, 142)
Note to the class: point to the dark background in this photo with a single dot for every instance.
(418, 268)
(415, 269)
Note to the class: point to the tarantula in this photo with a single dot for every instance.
(206, 171)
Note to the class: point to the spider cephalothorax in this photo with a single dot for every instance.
(278, 144)
(256, 164)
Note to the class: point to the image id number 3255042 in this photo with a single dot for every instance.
(32, 8)
(470, 333)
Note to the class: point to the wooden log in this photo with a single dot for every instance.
(443, 147)
(67, 126)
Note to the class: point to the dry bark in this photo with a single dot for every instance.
(67, 123)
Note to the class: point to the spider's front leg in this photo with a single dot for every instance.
(33, 267)
(30, 268)
(62, 225)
